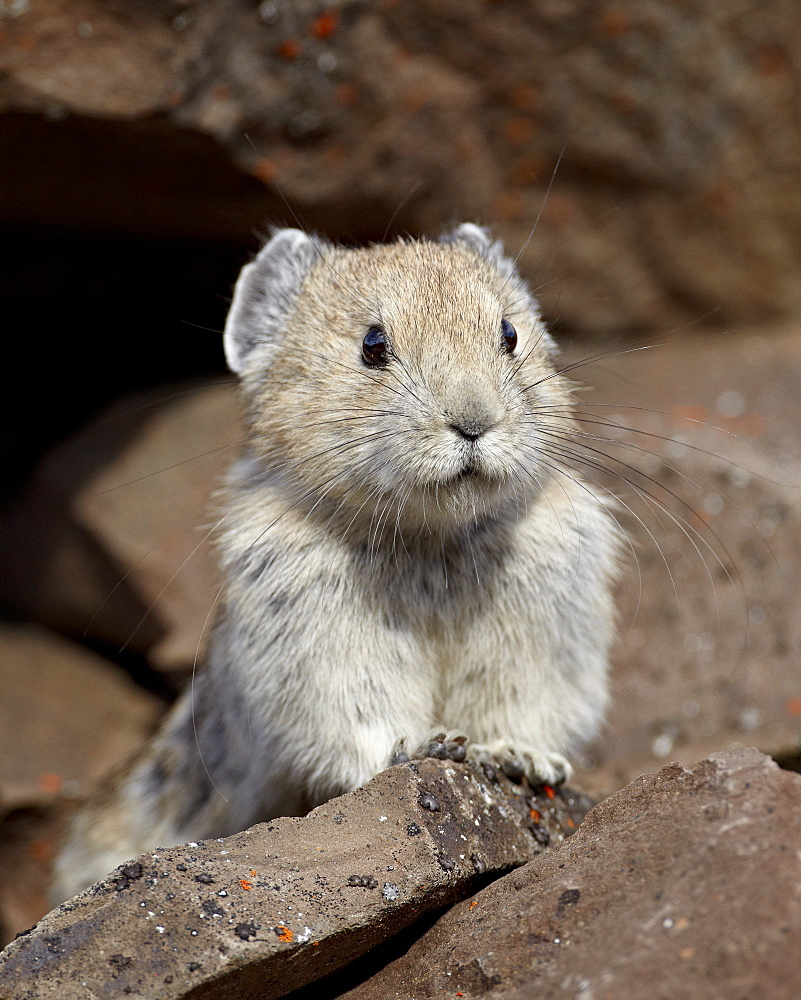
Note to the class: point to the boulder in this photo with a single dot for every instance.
(260, 913)
(111, 538)
(684, 884)
(710, 594)
(67, 718)
(669, 129)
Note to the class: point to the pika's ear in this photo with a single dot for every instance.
(265, 292)
(478, 238)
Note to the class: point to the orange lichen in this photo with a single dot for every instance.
(527, 170)
(50, 784)
(559, 210)
(284, 933)
(473, 903)
(517, 131)
(794, 706)
(770, 60)
(624, 101)
(265, 170)
(615, 22)
(289, 49)
(346, 94)
(510, 205)
(41, 850)
(245, 884)
(550, 793)
(325, 25)
(535, 814)
(524, 96)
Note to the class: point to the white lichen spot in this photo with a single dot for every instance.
(667, 923)
(750, 718)
(730, 404)
(159, 928)
(382, 819)
(662, 745)
(390, 891)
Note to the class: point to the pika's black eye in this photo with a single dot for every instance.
(374, 347)
(508, 336)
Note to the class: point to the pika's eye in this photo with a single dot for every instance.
(508, 336)
(374, 347)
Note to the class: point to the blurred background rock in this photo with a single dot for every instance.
(145, 146)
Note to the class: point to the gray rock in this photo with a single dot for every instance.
(266, 911)
(684, 885)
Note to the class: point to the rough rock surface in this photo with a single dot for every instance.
(686, 884)
(710, 600)
(67, 717)
(111, 538)
(263, 912)
(677, 190)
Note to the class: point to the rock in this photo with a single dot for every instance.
(67, 717)
(710, 598)
(123, 553)
(263, 912)
(683, 884)
(674, 128)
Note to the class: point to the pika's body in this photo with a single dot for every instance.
(404, 548)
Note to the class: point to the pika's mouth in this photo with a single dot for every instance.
(469, 471)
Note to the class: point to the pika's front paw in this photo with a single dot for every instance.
(441, 744)
(518, 760)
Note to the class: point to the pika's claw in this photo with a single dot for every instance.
(443, 745)
(516, 760)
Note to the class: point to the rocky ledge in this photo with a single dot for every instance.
(263, 912)
(683, 884)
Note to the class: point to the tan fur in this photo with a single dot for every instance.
(404, 549)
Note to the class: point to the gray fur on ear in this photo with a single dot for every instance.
(265, 292)
(477, 237)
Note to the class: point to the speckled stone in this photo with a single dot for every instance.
(683, 885)
(268, 910)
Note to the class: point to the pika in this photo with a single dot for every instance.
(407, 554)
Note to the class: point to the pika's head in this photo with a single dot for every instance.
(410, 381)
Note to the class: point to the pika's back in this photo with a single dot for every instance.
(414, 377)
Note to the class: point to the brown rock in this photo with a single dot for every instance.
(67, 718)
(710, 600)
(263, 912)
(123, 552)
(684, 884)
(677, 190)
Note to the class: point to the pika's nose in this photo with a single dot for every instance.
(471, 430)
